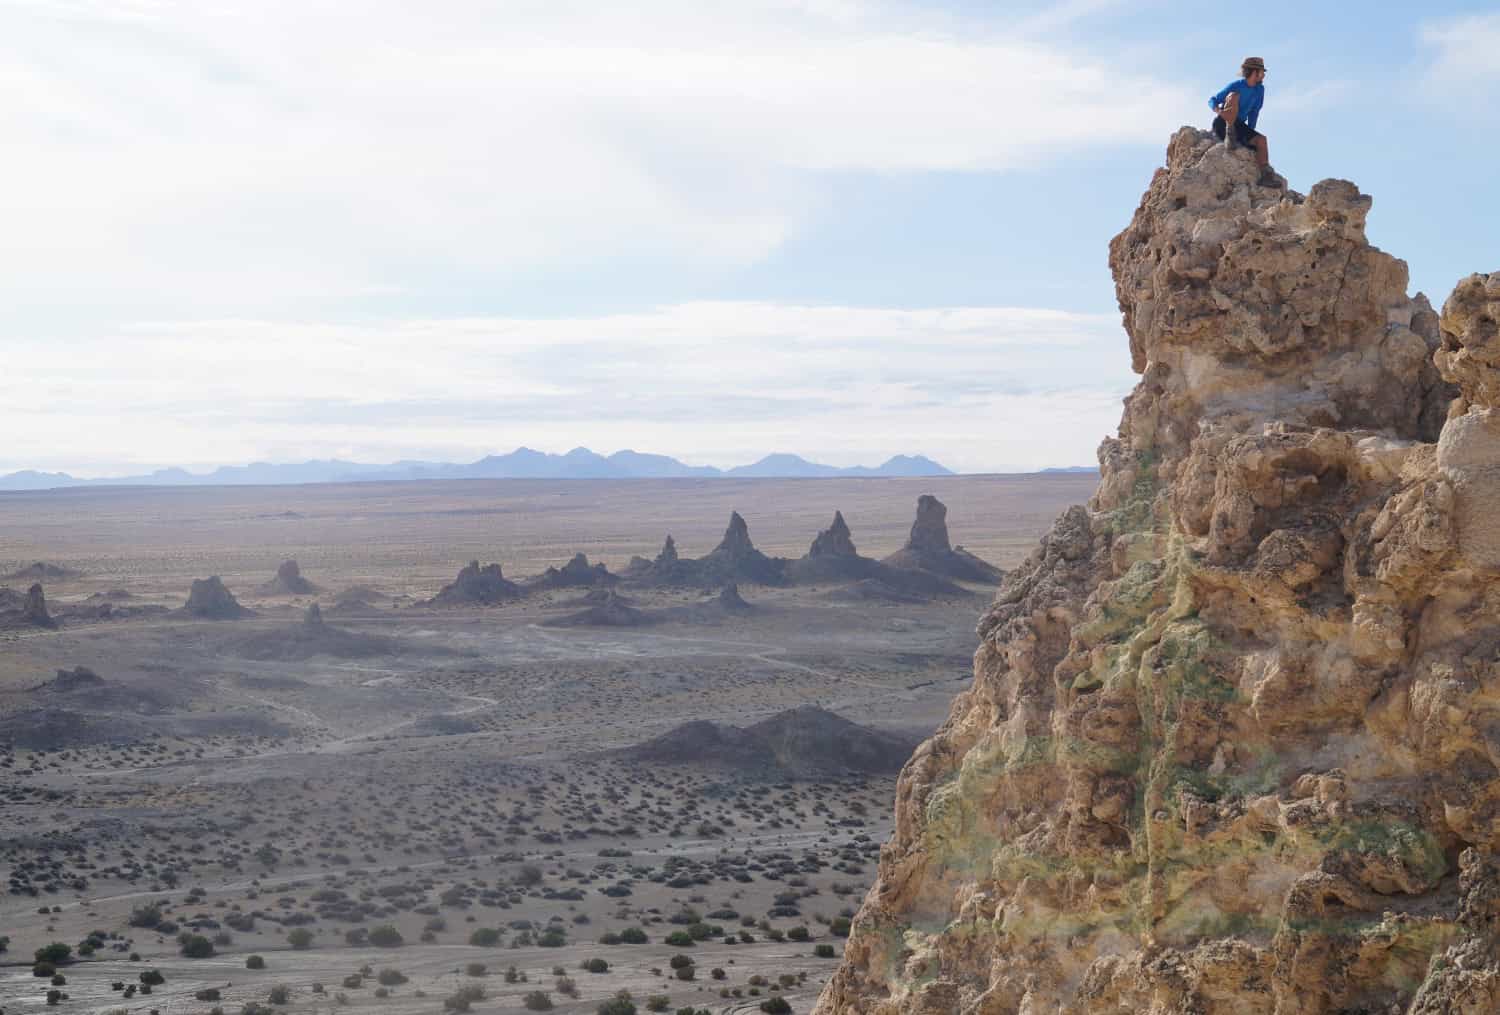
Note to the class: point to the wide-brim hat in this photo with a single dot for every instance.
(1253, 63)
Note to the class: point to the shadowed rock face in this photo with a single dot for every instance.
(1230, 745)
(477, 585)
(737, 559)
(34, 608)
(210, 600)
(834, 541)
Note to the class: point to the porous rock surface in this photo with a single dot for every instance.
(1233, 739)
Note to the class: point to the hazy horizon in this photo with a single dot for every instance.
(275, 232)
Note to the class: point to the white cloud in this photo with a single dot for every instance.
(1463, 56)
(716, 382)
(285, 155)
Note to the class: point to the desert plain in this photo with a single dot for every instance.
(639, 778)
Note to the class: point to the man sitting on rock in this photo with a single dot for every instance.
(1238, 106)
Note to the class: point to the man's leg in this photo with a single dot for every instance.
(1229, 112)
(1262, 152)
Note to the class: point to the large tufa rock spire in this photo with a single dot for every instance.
(1229, 748)
(34, 609)
(929, 533)
(928, 548)
(834, 541)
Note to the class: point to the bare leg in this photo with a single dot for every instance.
(1262, 152)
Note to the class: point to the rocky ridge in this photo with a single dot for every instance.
(1233, 741)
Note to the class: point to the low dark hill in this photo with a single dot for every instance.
(41, 572)
(611, 611)
(208, 599)
(803, 742)
(312, 638)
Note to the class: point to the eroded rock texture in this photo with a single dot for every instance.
(1232, 742)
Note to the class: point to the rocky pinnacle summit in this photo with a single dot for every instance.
(1231, 745)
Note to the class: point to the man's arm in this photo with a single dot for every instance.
(1255, 113)
(1216, 101)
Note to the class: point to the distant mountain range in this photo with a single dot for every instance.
(523, 463)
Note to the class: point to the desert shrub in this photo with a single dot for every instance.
(437, 923)
(620, 1004)
(529, 874)
(566, 986)
(145, 916)
(839, 927)
(679, 960)
(799, 934)
(775, 934)
(609, 937)
(354, 980)
(679, 939)
(152, 978)
(390, 977)
(823, 951)
(595, 965)
(717, 972)
(775, 1006)
(195, 946)
(658, 1002)
(386, 936)
(382, 992)
(300, 938)
(255, 962)
(59, 980)
(703, 931)
(55, 996)
(56, 953)
(634, 936)
(356, 936)
(475, 969)
(223, 939)
(43, 969)
(686, 972)
(485, 937)
(279, 994)
(537, 1000)
(208, 994)
(552, 938)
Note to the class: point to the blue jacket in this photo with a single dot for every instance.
(1252, 97)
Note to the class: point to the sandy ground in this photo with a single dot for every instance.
(458, 776)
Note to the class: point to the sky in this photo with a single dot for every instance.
(295, 229)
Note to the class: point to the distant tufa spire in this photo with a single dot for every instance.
(834, 541)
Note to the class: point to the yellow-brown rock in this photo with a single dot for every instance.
(1233, 741)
